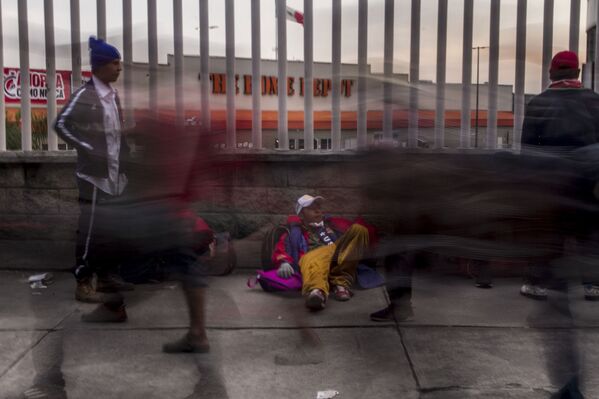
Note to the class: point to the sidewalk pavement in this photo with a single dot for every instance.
(463, 343)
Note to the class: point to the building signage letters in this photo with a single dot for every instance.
(38, 90)
(270, 85)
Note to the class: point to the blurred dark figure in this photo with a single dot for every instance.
(563, 121)
(155, 221)
(560, 120)
(92, 122)
(399, 270)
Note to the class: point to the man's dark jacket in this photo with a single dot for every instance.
(81, 124)
(564, 117)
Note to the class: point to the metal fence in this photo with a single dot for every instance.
(362, 83)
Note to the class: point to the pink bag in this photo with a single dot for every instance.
(270, 282)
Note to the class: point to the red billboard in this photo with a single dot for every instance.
(38, 90)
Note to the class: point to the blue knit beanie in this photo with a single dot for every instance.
(101, 53)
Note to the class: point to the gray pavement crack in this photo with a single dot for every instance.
(35, 344)
(508, 387)
(444, 389)
(335, 326)
(409, 358)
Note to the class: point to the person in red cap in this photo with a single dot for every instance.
(563, 118)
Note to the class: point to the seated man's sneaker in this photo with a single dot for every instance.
(85, 292)
(342, 293)
(591, 292)
(403, 312)
(316, 300)
(113, 283)
(533, 291)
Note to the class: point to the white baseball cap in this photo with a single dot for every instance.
(305, 201)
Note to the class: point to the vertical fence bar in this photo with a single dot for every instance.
(491, 142)
(128, 61)
(101, 18)
(308, 75)
(520, 73)
(547, 42)
(283, 133)
(466, 119)
(231, 86)
(152, 57)
(441, 74)
(2, 105)
(414, 74)
(596, 60)
(25, 84)
(388, 72)
(50, 73)
(574, 25)
(256, 74)
(75, 46)
(178, 47)
(336, 77)
(362, 73)
(205, 63)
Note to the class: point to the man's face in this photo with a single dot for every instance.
(312, 214)
(109, 73)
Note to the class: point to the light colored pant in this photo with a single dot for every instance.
(317, 266)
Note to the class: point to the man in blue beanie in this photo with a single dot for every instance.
(92, 123)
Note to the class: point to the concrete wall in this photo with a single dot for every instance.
(38, 211)
(38, 200)
(245, 193)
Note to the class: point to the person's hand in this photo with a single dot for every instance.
(285, 270)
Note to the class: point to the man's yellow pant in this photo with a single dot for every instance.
(317, 266)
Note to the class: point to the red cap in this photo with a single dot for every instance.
(564, 60)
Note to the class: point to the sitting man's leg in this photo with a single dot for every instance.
(314, 266)
(350, 248)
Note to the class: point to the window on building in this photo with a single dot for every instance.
(325, 144)
(292, 144)
(300, 144)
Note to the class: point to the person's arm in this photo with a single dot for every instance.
(280, 254)
(65, 125)
(281, 257)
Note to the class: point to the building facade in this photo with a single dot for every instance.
(165, 77)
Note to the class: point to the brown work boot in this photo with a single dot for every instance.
(85, 292)
(113, 283)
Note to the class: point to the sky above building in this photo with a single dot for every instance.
(322, 33)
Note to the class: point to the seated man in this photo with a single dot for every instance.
(326, 251)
